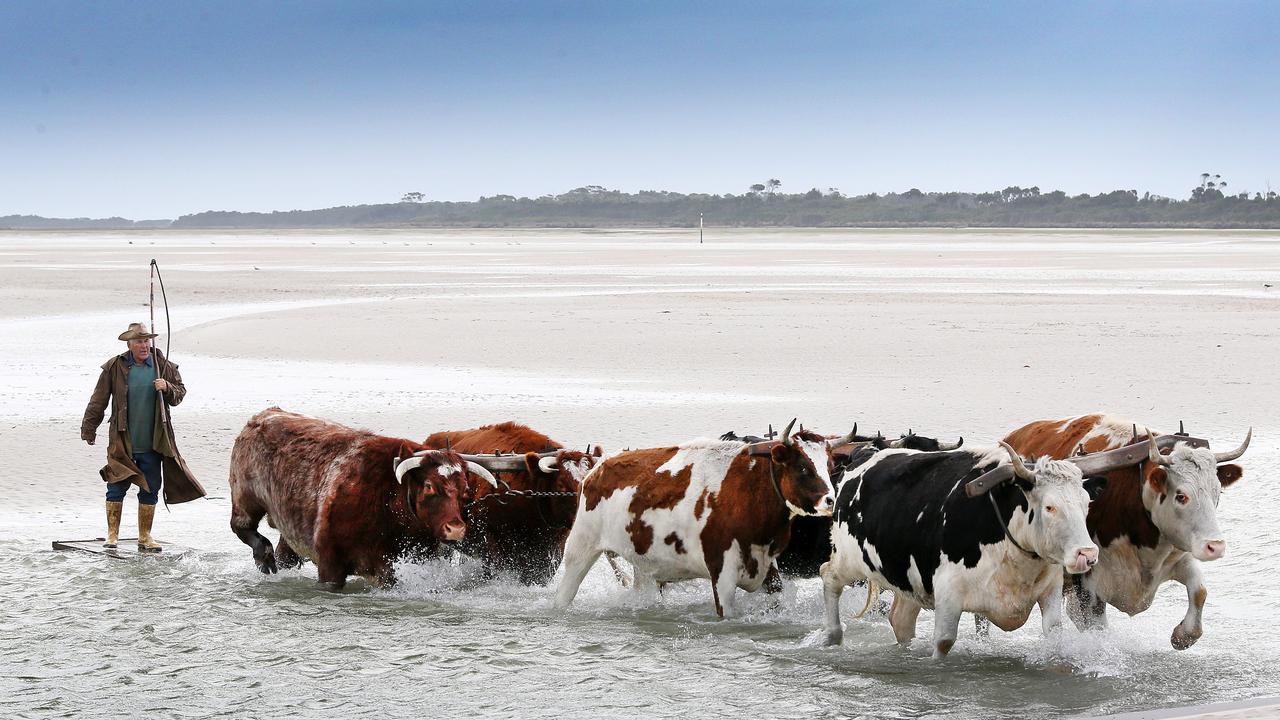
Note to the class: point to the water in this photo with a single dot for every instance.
(208, 636)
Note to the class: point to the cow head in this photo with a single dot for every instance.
(1057, 503)
(433, 486)
(1181, 492)
(803, 467)
(562, 471)
(911, 441)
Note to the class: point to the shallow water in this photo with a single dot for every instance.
(208, 636)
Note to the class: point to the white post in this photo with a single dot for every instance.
(699, 228)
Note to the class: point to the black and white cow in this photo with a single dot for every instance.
(970, 530)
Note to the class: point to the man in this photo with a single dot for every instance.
(141, 448)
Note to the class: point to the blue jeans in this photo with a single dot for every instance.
(149, 463)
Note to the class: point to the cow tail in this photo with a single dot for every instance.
(873, 590)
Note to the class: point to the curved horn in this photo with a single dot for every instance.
(1233, 454)
(844, 440)
(950, 446)
(404, 466)
(479, 470)
(786, 434)
(1153, 451)
(1015, 460)
(549, 465)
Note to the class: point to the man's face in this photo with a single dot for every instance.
(141, 349)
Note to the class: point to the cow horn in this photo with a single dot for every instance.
(1153, 451)
(548, 464)
(950, 446)
(1233, 454)
(786, 434)
(844, 440)
(404, 466)
(1015, 460)
(476, 468)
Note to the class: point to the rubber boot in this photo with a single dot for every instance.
(146, 514)
(114, 510)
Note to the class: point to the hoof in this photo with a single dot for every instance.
(109, 546)
(834, 637)
(267, 564)
(1181, 639)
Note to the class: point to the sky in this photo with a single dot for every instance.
(159, 109)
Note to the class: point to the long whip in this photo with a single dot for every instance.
(168, 326)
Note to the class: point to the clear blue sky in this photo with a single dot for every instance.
(156, 109)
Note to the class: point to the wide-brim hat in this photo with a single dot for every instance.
(137, 331)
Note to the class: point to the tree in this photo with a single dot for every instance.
(757, 188)
(413, 197)
(1210, 188)
(813, 194)
(774, 184)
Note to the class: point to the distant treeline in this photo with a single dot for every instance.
(35, 222)
(762, 206)
(595, 206)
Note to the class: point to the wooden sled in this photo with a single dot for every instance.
(127, 550)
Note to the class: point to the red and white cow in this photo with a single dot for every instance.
(1155, 522)
(711, 509)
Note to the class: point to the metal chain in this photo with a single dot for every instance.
(502, 496)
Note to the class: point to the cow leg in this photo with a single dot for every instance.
(902, 618)
(382, 575)
(1051, 607)
(331, 575)
(623, 579)
(245, 517)
(725, 585)
(833, 585)
(1186, 633)
(946, 626)
(286, 557)
(773, 581)
(580, 553)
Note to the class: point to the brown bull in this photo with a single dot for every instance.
(349, 500)
(510, 532)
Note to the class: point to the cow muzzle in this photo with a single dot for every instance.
(1083, 561)
(1210, 550)
(825, 507)
(454, 531)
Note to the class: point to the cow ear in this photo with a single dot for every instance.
(597, 451)
(781, 454)
(531, 460)
(1228, 474)
(1156, 479)
(1095, 485)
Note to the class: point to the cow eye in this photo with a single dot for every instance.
(1181, 499)
(428, 490)
(1050, 509)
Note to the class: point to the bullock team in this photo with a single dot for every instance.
(1071, 515)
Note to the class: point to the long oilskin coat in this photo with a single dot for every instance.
(113, 384)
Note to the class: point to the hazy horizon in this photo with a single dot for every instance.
(146, 110)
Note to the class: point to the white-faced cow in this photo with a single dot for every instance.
(968, 530)
(351, 501)
(1154, 523)
(719, 510)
